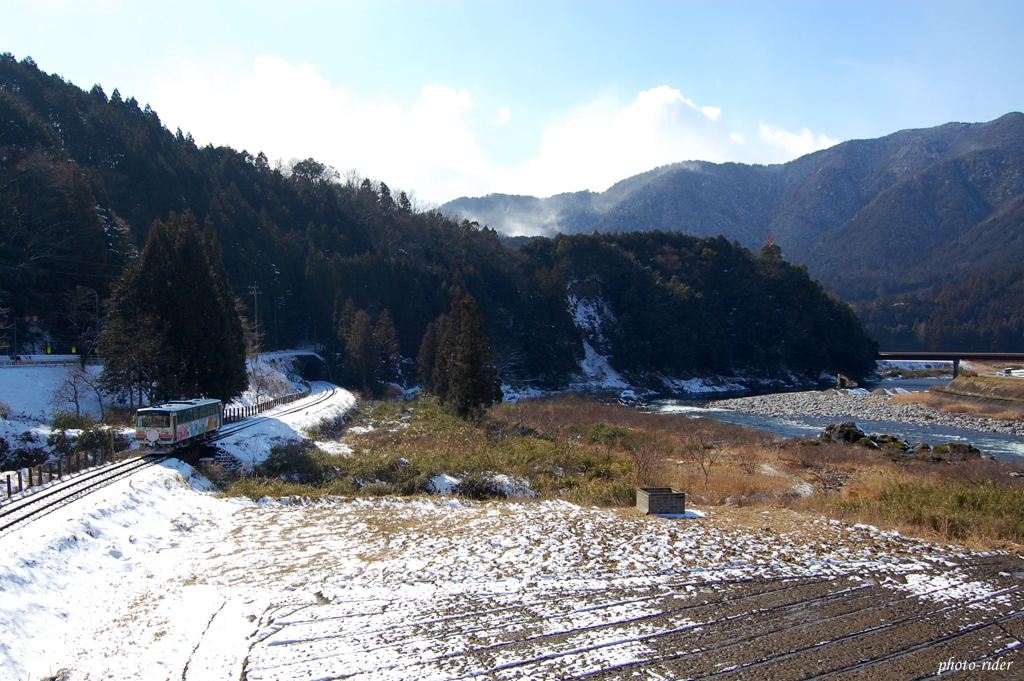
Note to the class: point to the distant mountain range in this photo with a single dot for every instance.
(869, 218)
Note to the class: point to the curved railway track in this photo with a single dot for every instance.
(293, 408)
(44, 500)
(48, 499)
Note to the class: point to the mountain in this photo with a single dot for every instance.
(84, 176)
(897, 214)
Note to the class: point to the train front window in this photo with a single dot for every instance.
(154, 420)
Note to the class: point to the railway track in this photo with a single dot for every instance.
(293, 408)
(48, 499)
(44, 500)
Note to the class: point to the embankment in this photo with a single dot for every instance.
(993, 394)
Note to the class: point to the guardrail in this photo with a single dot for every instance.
(20, 481)
(232, 414)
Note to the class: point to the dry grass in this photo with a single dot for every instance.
(950, 404)
(593, 453)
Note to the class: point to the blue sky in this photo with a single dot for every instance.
(452, 98)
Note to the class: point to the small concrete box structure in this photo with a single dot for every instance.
(660, 500)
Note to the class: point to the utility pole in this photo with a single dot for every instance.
(255, 291)
(96, 332)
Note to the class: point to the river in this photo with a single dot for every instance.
(1002, 445)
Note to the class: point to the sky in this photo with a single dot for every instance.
(455, 98)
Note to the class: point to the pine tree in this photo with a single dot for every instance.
(462, 371)
(181, 291)
(426, 358)
(360, 353)
(385, 341)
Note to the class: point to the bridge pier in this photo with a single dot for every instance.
(956, 367)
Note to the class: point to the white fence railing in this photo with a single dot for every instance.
(7, 361)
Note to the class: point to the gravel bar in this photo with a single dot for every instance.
(858, 406)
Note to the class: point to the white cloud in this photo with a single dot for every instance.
(431, 148)
(795, 144)
(604, 143)
(712, 112)
(292, 112)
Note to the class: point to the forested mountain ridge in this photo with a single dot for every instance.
(872, 217)
(83, 176)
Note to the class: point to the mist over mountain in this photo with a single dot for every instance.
(869, 218)
(355, 269)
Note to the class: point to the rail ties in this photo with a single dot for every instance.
(49, 499)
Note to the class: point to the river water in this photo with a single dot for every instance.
(1001, 445)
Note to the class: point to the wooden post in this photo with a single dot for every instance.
(9, 488)
(21, 483)
(60, 467)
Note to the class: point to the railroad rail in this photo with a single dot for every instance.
(59, 491)
(235, 426)
(48, 499)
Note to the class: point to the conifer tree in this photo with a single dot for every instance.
(385, 341)
(463, 373)
(179, 285)
(360, 353)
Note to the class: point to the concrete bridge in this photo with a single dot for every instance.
(955, 357)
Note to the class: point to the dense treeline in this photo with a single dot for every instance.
(981, 314)
(353, 266)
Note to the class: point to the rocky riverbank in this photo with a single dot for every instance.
(863, 406)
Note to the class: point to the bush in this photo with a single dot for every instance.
(65, 420)
(105, 438)
(328, 429)
(24, 452)
(94, 437)
(480, 486)
(296, 461)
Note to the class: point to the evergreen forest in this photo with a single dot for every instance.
(93, 186)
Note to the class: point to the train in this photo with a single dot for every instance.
(178, 423)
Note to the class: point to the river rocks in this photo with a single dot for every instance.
(862, 405)
(847, 432)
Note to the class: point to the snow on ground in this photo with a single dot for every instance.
(29, 391)
(915, 364)
(252, 445)
(275, 370)
(155, 578)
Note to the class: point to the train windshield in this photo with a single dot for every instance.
(155, 420)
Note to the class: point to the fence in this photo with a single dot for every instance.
(25, 478)
(232, 414)
(17, 482)
(9, 361)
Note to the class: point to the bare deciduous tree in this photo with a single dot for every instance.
(699, 447)
(75, 384)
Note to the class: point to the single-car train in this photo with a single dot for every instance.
(178, 423)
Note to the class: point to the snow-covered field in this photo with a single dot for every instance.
(157, 577)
